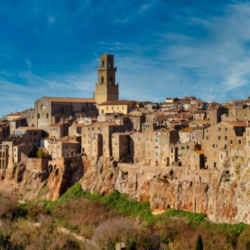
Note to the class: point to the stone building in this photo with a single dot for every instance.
(191, 134)
(106, 89)
(66, 147)
(119, 106)
(106, 129)
(214, 113)
(217, 137)
(16, 123)
(60, 129)
(183, 151)
(137, 146)
(158, 146)
(195, 160)
(13, 116)
(3, 157)
(27, 140)
(120, 145)
(49, 110)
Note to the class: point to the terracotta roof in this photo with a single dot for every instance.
(74, 100)
(66, 142)
(47, 138)
(128, 133)
(14, 114)
(28, 128)
(118, 102)
(109, 123)
(204, 122)
(200, 152)
(237, 124)
(163, 130)
(190, 129)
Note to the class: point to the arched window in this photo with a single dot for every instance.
(38, 116)
(110, 64)
(110, 80)
(43, 107)
(103, 63)
(102, 79)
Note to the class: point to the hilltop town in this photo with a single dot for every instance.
(193, 138)
(183, 132)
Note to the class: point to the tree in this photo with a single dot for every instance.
(199, 244)
(40, 153)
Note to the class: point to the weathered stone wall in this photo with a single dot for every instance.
(34, 163)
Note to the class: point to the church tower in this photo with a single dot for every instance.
(106, 89)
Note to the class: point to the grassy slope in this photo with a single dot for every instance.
(115, 217)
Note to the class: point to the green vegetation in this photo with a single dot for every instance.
(194, 219)
(41, 154)
(162, 180)
(109, 219)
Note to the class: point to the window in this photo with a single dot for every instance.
(181, 155)
(214, 145)
(38, 116)
(231, 142)
(218, 137)
(239, 141)
(218, 129)
(221, 156)
(47, 115)
(187, 147)
(207, 137)
(155, 140)
(182, 148)
(225, 129)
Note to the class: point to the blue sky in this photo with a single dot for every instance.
(162, 48)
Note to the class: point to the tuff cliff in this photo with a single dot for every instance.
(50, 183)
(222, 194)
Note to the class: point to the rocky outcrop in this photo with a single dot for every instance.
(222, 194)
(50, 183)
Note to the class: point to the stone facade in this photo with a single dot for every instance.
(48, 107)
(121, 106)
(106, 89)
(217, 137)
(137, 146)
(120, 145)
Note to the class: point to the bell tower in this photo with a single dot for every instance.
(106, 89)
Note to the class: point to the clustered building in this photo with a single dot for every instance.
(182, 132)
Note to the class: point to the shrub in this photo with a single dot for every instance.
(199, 244)
(40, 153)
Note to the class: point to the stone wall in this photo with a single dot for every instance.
(34, 163)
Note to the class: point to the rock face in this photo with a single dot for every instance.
(223, 195)
(48, 184)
